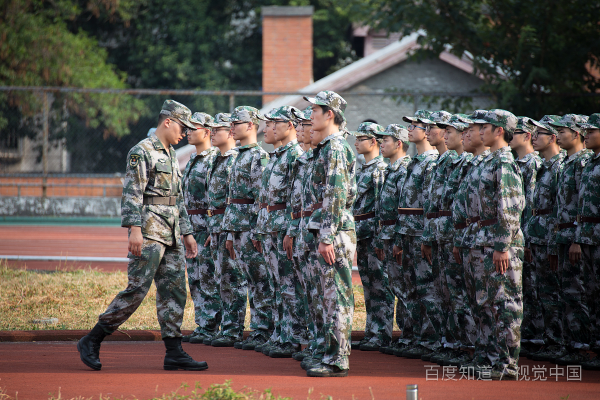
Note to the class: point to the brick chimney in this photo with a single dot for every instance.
(287, 49)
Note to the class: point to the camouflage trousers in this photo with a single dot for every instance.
(260, 284)
(337, 299)
(590, 256)
(379, 299)
(306, 279)
(532, 329)
(165, 265)
(548, 289)
(575, 290)
(499, 308)
(411, 323)
(233, 287)
(397, 283)
(424, 305)
(459, 325)
(289, 296)
(204, 288)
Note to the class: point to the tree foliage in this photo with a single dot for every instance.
(536, 57)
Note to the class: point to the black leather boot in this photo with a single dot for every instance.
(89, 347)
(176, 358)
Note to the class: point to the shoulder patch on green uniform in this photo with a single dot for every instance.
(134, 160)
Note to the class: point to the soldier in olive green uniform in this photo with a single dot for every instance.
(153, 210)
(370, 177)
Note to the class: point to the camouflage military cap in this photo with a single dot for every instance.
(246, 114)
(571, 121)
(478, 117)
(329, 99)
(221, 120)
(456, 122)
(285, 113)
(464, 118)
(593, 122)
(368, 129)
(440, 116)
(396, 131)
(174, 109)
(526, 124)
(202, 118)
(420, 116)
(303, 115)
(502, 118)
(544, 123)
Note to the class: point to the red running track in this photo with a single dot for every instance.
(83, 241)
(135, 369)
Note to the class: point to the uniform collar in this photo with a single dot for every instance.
(397, 164)
(501, 150)
(426, 154)
(228, 152)
(527, 157)
(281, 149)
(461, 157)
(328, 138)
(373, 161)
(157, 143)
(204, 153)
(248, 146)
(574, 156)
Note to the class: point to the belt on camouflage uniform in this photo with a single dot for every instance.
(240, 201)
(159, 200)
(200, 211)
(438, 214)
(308, 213)
(216, 211)
(467, 222)
(566, 225)
(296, 215)
(362, 217)
(387, 222)
(275, 207)
(593, 220)
(487, 222)
(410, 211)
(540, 211)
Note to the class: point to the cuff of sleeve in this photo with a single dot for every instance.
(503, 247)
(131, 220)
(327, 239)
(230, 236)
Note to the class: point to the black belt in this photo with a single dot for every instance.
(216, 211)
(200, 211)
(387, 222)
(438, 214)
(410, 211)
(540, 211)
(163, 201)
(362, 217)
(240, 201)
(593, 220)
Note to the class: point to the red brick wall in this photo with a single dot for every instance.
(287, 54)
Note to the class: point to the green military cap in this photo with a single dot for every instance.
(178, 111)
(329, 99)
(526, 124)
(464, 118)
(440, 116)
(221, 120)
(368, 129)
(456, 122)
(396, 131)
(285, 113)
(545, 122)
(303, 115)
(571, 121)
(201, 118)
(593, 122)
(501, 118)
(420, 116)
(478, 117)
(246, 114)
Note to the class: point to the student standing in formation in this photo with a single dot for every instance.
(562, 294)
(379, 303)
(333, 190)
(586, 247)
(290, 302)
(231, 280)
(541, 224)
(437, 253)
(394, 145)
(152, 208)
(204, 289)
(499, 249)
(418, 327)
(465, 214)
(243, 242)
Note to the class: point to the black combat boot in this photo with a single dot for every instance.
(89, 347)
(176, 358)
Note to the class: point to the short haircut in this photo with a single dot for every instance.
(508, 136)
(337, 117)
(405, 146)
(161, 118)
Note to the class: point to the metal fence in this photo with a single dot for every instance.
(58, 154)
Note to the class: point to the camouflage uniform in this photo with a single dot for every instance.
(500, 296)
(387, 217)
(231, 280)
(420, 287)
(204, 289)
(571, 313)
(587, 234)
(290, 299)
(332, 185)
(240, 221)
(153, 200)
